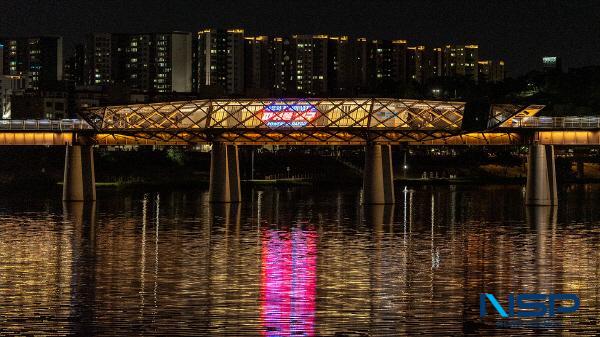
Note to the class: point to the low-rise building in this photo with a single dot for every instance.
(10, 85)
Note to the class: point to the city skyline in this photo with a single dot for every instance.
(218, 62)
(522, 33)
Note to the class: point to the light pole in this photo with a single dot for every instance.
(405, 165)
(252, 160)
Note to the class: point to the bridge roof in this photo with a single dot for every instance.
(292, 120)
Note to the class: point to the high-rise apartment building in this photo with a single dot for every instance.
(138, 57)
(399, 55)
(380, 62)
(461, 60)
(104, 58)
(436, 62)
(75, 65)
(221, 59)
(387, 62)
(361, 63)
(159, 62)
(416, 63)
(258, 64)
(225, 62)
(172, 62)
(311, 64)
(424, 63)
(284, 66)
(40, 58)
(342, 76)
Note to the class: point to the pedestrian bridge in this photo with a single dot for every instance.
(307, 122)
(376, 123)
(296, 121)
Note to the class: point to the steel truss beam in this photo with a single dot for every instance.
(298, 121)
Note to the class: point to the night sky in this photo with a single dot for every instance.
(518, 31)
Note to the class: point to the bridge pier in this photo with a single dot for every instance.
(378, 179)
(79, 182)
(224, 173)
(541, 176)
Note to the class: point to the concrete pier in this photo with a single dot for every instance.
(378, 180)
(79, 183)
(224, 173)
(541, 176)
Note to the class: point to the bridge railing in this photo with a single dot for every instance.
(44, 125)
(65, 125)
(568, 122)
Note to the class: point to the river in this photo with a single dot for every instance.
(302, 261)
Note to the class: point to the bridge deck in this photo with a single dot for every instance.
(567, 138)
(309, 121)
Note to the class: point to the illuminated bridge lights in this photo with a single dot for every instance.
(570, 122)
(298, 121)
(281, 114)
(369, 120)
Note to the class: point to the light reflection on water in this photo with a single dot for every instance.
(293, 262)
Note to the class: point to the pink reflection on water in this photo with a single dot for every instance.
(288, 282)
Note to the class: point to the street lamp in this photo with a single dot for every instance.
(404, 166)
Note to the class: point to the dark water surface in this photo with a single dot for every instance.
(295, 262)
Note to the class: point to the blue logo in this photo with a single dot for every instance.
(530, 305)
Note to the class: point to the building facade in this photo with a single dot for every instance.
(138, 57)
(284, 66)
(104, 58)
(10, 85)
(311, 64)
(147, 62)
(40, 58)
(424, 64)
(461, 61)
(49, 105)
(221, 60)
(342, 75)
(258, 66)
(173, 62)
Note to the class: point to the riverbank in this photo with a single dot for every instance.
(43, 186)
(42, 168)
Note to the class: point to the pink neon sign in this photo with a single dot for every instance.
(279, 114)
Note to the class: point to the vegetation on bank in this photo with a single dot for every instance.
(573, 92)
(42, 168)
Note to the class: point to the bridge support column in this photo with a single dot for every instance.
(541, 176)
(79, 182)
(224, 173)
(378, 180)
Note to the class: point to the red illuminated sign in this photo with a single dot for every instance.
(280, 114)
